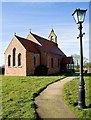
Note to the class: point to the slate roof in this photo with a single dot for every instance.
(27, 44)
(48, 46)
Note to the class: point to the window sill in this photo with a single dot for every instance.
(19, 66)
(14, 67)
(9, 67)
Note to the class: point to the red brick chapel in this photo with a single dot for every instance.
(24, 55)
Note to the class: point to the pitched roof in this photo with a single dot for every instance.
(48, 46)
(67, 60)
(27, 44)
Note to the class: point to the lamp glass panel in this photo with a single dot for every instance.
(75, 17)
(81, 15)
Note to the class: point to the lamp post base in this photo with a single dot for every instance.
(81, 97)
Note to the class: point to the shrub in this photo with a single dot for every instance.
(41, 70)
(2, 70)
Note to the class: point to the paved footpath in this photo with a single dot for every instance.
(50, 103)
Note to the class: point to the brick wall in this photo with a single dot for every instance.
(30, 68)
(43, 58)
(15, 70)
(55, 68)
(27, 67)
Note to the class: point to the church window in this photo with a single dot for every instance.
(58, 62)
(19, 59)
(9, 60)
(14, 57)
(34, 60)
(52, 62)
(52, 38)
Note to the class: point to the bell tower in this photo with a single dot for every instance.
(52, 37)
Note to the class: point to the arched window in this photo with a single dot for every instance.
(19, 59)
(52, 62)
(52, 38)
(34, 60)
(58, 62)
(9, 60)
(14, 57)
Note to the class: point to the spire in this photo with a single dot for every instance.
(15, 34)
(30, 30)
(52, 30)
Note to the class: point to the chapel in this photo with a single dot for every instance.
(24, 55)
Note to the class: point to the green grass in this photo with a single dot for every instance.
(70, 95)
(18, 94)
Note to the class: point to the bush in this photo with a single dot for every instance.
(41, 70)
(2, 70)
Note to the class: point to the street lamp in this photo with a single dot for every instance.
(79, 16)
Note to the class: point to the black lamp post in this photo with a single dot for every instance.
(79, 16)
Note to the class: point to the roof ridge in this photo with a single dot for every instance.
(45, 44)
(44, 38)
(38, 35)
(22, 41)
(22, 37)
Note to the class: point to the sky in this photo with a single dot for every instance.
(41, 17)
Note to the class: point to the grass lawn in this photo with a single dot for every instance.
(18, 94)
(70, 95)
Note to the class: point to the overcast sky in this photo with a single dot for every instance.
(40, 17)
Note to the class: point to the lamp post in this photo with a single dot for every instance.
(79, 16)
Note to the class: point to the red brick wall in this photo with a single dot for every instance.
(15, 70)
(55, 68)
(30, 68)
(43, 58)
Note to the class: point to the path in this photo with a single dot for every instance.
(50, 103)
